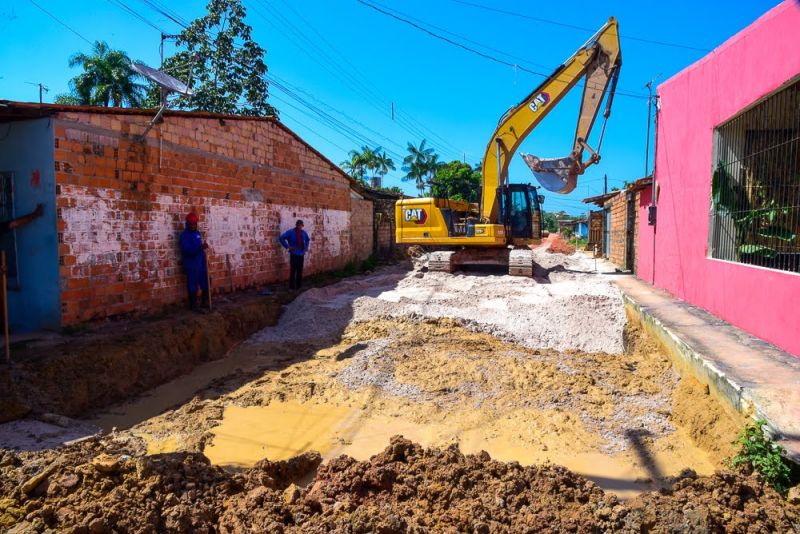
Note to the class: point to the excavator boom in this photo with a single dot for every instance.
(598, 61)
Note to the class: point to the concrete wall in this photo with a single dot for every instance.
(674, 255)
(122, 205)
(26, 148)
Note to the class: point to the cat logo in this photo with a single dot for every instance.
(540, 100)
(416, 215)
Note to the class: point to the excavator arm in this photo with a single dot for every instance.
(599, 61)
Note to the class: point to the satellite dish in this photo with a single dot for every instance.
(166, 83)
(163, 80)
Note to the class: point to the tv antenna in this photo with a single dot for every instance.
(166, 84)
(42, 88)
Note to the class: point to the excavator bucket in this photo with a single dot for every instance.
(559, 175)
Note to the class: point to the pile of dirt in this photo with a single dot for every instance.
(99, 487)
(559, 246)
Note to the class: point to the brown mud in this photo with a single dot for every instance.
(101, 487)
(625, 420)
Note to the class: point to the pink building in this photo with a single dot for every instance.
(727, 237)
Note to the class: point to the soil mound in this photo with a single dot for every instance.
(98, 487)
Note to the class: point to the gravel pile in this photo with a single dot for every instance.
(567, 307)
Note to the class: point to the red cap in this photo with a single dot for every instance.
(192, 218)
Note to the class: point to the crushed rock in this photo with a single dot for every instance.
(568, 305)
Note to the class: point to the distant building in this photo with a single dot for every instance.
(614, 228)
(577, 227)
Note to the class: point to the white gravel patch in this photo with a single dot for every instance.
(568, 306)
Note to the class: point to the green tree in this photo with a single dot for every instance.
(355, 166)
(107, 79)
(458, 181)
(224, 67)
(550, 221)
(382, 164)
(420, 165)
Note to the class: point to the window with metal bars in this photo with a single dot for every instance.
(755, 189)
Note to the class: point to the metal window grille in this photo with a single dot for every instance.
(755, 191)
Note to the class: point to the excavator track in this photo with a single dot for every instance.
(519, 261)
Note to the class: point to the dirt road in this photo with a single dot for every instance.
(510, 372)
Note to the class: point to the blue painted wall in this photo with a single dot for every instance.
(26, 148)
(582, 230)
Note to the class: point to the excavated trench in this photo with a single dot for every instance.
(509, 372)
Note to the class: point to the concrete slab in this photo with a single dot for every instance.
(755, 377)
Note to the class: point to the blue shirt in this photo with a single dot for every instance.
(192, 249)
(289, 241)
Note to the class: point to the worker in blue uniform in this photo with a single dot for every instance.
(193, 252)
(296, 241)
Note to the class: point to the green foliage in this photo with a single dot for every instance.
(374, 161)
(758, 452)
(68, 99)
(458, 181)
(730, 198)
(757, 250)
(566, 232)
(224, 66)
(107, 79)
(550, 221)
(420, 165)
(369, 264)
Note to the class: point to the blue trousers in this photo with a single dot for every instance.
(196, 276)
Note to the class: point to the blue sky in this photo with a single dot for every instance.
(354, 63)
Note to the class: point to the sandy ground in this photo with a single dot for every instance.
(528, 371)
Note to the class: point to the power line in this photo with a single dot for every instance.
(43, 10)
(574, 27)
(475, 51)
(331, 65)
(367, 84)
(122, 5)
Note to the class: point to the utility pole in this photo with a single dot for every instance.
(605, 184)
(42, 88)
(164, 37)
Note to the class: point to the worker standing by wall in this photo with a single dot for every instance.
(296, 241)
(193, 250)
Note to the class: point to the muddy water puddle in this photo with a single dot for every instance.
(283, 430)
(610, 417)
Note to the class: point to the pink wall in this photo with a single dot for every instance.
(753, 63)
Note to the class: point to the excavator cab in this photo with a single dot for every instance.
(520, 212)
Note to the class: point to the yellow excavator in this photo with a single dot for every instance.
(507, 221)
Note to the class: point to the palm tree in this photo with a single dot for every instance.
(355, 166)
(382, 164)
(418, 165)
(107, 79)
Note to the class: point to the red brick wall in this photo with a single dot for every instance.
(618, 207)
(121, 206)
(619, 227)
